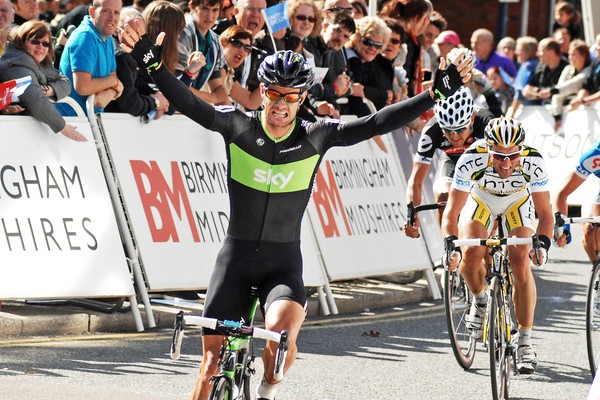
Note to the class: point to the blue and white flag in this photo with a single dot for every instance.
(276, 17)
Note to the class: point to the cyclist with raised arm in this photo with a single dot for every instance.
(458, 126)
(500, 175)
(588, 165)
(272, 159)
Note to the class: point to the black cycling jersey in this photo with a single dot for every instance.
(433, 139)
(270, 180)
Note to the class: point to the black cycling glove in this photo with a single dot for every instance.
(446, 82)
(146, 53)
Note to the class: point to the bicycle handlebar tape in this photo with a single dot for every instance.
(147, 54)
(446, 82)
(545, 242)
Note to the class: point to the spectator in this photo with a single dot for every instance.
(445, 42)
(25, 10)
(337, 81)
(226, 17)
(570, 80)
(6, 19)
(391, 59)
(360, 9)
(566, 16)
(546, 73)
(526, 56)
(305, 21)
(29, 53)
(89, 58)
(413, 16)
(563, 37)
(331, 8)
(430, 57)
(482, 44)
(507, 46)
(237, 45)
(590, 89)
(502, 86)
(371, 36)
(198, 36)
(139, 98)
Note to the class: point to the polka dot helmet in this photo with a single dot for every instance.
(456, 111)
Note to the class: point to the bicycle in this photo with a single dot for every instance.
(592, 308)
(457, 303)
(236, 357)
(499, 333)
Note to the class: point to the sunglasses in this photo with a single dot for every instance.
(238, 44)
(274, 96)
(303, 18)
(37, 42)
(340, 9)
(503, 156)
(395, 41)
(456, 131)
(371, 43)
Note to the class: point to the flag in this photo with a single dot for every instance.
(276, 17)
(11, 90)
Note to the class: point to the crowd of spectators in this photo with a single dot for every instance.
(216, 46)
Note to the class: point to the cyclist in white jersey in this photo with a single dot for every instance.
(499, 175)
(589, 164)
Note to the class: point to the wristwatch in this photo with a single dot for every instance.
(156, 102)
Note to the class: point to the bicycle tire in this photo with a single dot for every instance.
(221, 389)
(499, 349)
(592, 320)
(457, 302)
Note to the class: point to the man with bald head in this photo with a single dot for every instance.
(7, 15)
(482, 44)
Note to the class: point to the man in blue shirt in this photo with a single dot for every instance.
(89, 59)
(482, 44)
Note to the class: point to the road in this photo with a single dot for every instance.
(398, 353)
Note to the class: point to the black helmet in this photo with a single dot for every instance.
(286, 68)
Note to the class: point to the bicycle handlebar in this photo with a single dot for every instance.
(560, 221)
(490, 242)
(232, 328)
(412, 211)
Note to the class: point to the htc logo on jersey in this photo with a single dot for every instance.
(280, 180)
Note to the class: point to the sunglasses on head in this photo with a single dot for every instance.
(456, 131)
(305, 17)
(238, 44)
(371, 43)
(503, 156)
(274, 95)
(37, 42)
(340, 9)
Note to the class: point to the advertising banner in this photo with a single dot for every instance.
(58, 234)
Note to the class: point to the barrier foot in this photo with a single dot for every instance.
(137, 316)
(433, 285)
(330, 299)
(323, 301)
(139, 281)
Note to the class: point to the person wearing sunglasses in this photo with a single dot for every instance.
(273, 157)
(236, 42)
(457, 126)
(30, 53)
(500, 175)
(367, 42)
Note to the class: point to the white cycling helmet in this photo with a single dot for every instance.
(504, 132)
(456, 111)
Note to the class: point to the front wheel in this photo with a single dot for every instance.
(457, 301)
(592, 323)
(221, 389)
(499, 348)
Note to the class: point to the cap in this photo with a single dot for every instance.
(448, 37)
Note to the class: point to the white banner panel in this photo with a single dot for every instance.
(358, 209)
(173, 176)
(581, 128)
(58, 235)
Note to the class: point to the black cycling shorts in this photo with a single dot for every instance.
(274, 268)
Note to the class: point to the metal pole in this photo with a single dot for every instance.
(525, 17)
(122, 223)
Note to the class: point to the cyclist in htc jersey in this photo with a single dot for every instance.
(589, 164)
(500, 175)
(458, 126)
(273, 157)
